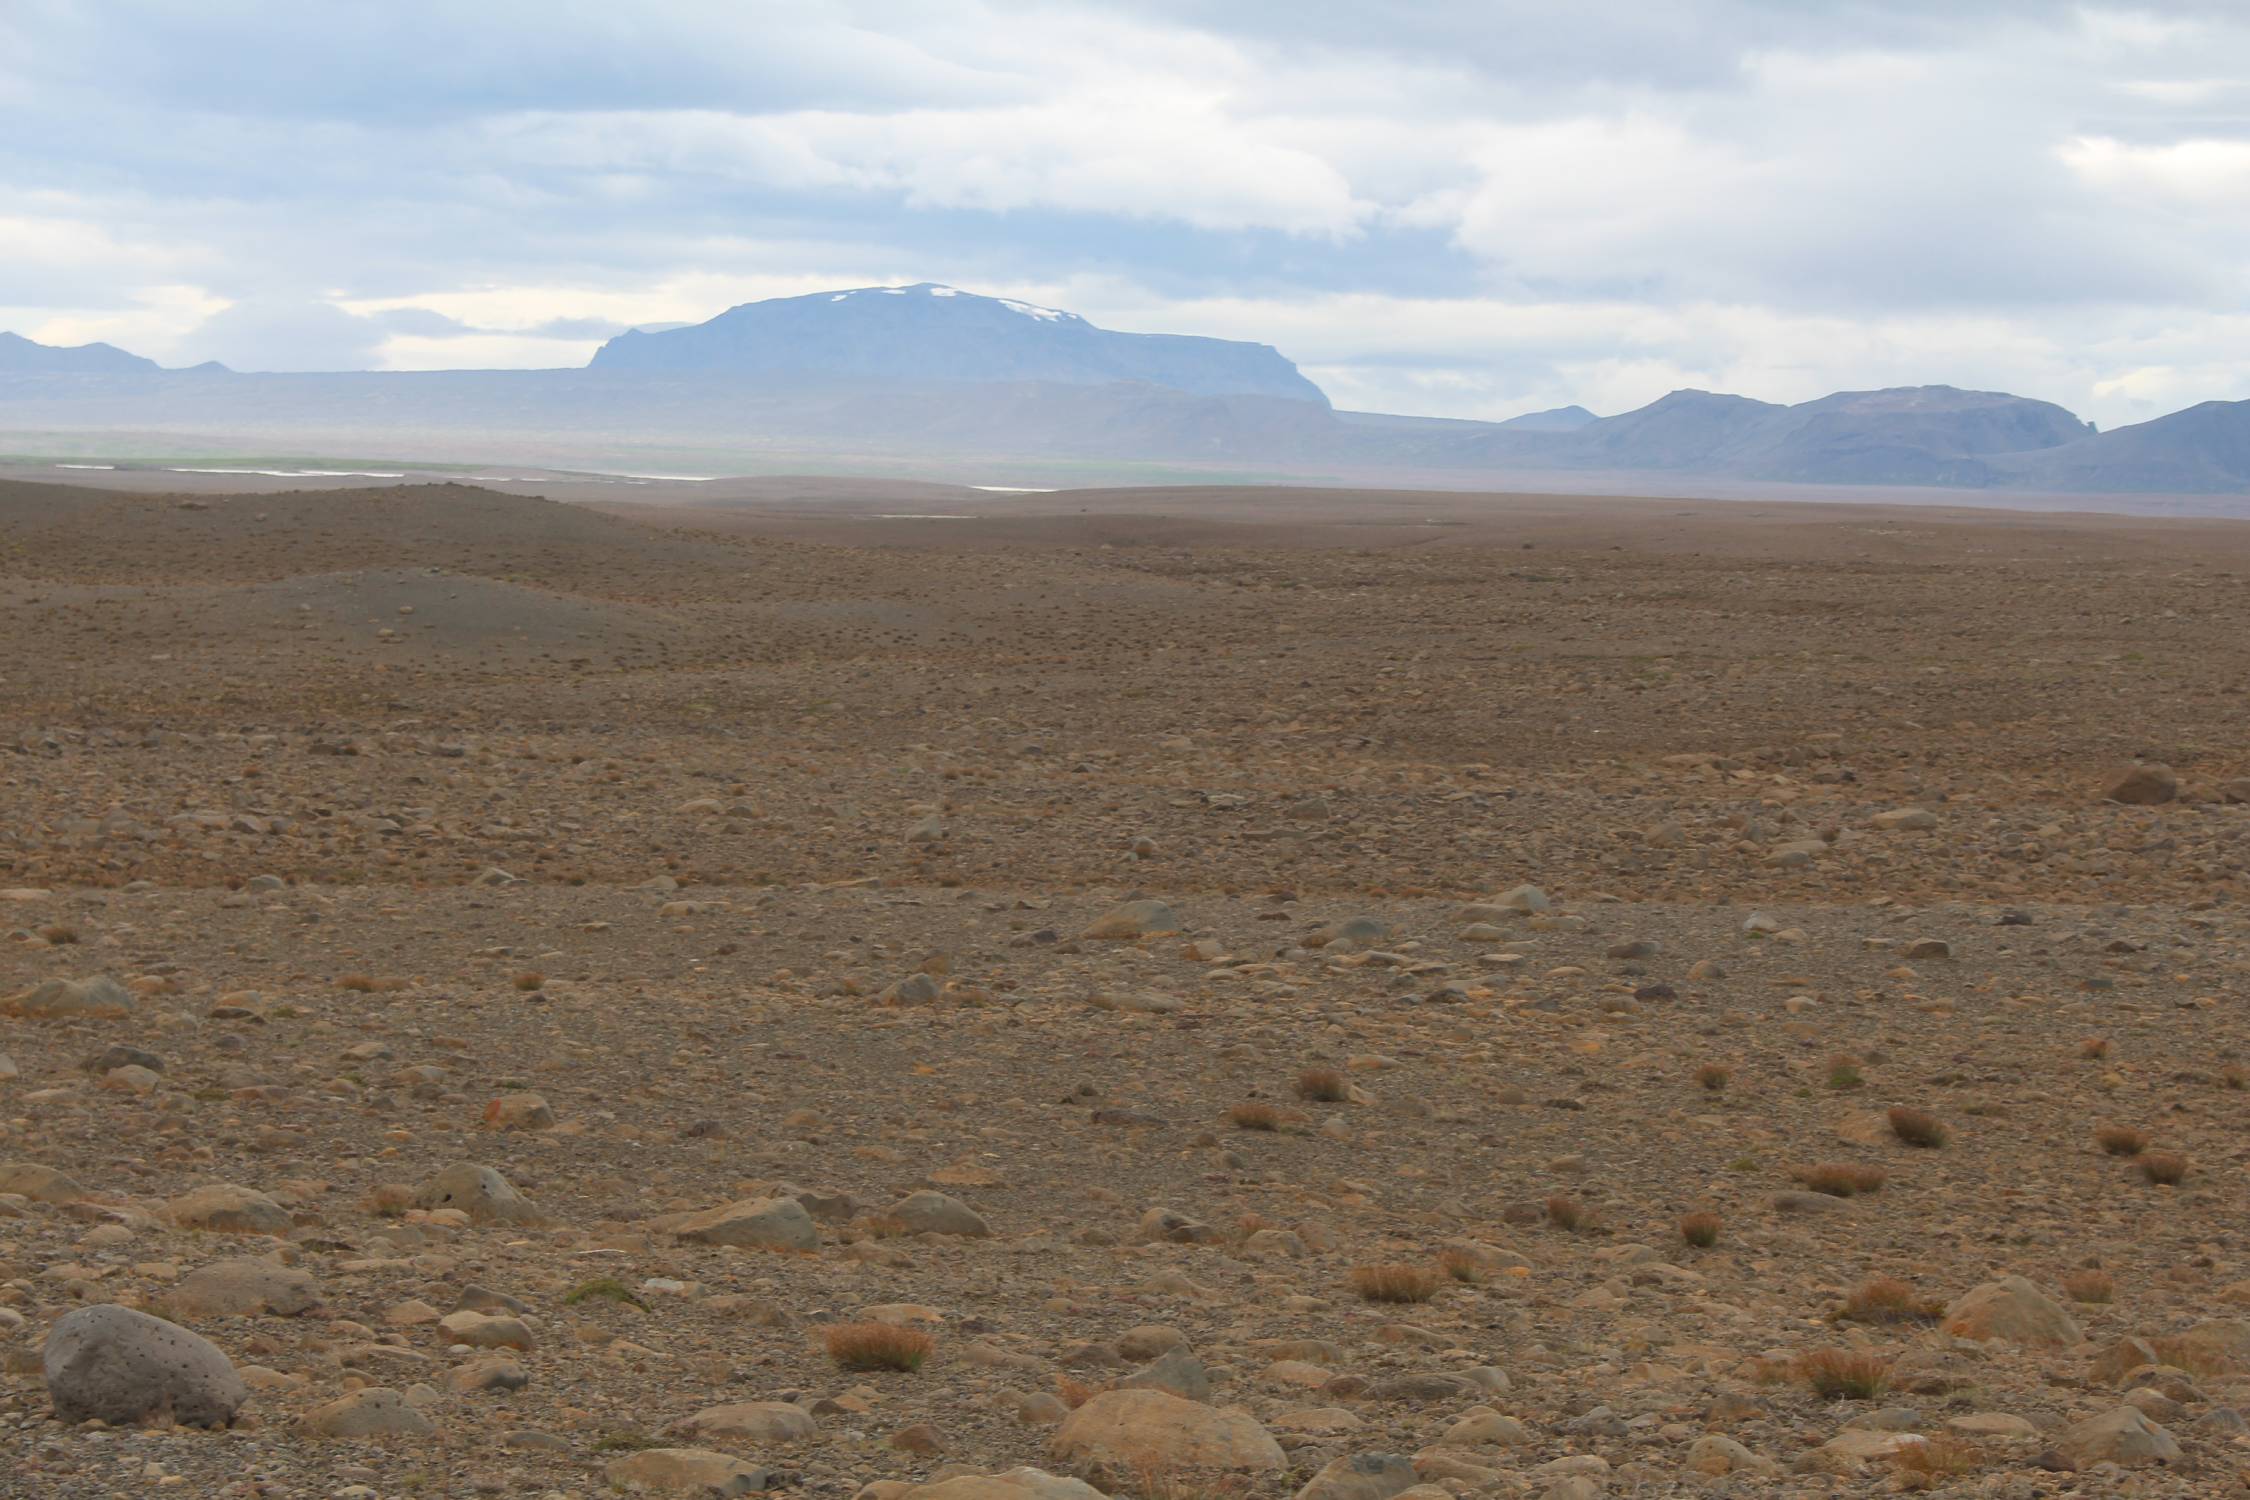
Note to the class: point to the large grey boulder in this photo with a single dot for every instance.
(124, 1367)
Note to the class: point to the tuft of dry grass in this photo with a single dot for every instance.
(1886, 1299)
(2094, 1048)
(2122, 1140)
(389, 1201)
(1843, 1073)
(877, 1346)
(1566, 1212)
(358, 984)
(1323, 1086)
(57, 935)
(1396, 1283)
(1843, 1179)
(1700, 1230)
(1462, 1265)
(1153, 1481)
(2234, 1076)
(1845, 1374)
(529, 980)
(2164, 1168)
(1254, 1116)
(2095, 1287)
(1936, 1463)
(1714, 1076)
(880, 1227)
(1918, 1127)
(1075, 1393)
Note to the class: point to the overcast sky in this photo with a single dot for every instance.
(1461, 207)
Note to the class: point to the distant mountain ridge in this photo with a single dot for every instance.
(930, 333)
(19, 355)
(1916, 435)
(928, 376)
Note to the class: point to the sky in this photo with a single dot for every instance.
(1468, 208)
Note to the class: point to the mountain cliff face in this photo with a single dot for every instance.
(929, 334)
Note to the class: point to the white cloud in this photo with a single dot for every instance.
(285, 333)
(1144, 152)
(481, 351)
(1466, 206)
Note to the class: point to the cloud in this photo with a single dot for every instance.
(577, 328)
(286, 333)
(1466, 206)
(420, 322)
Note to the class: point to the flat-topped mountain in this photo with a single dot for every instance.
(931, 334)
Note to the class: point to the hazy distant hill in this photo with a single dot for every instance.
(802, 378)
(929, 334)
(1558, 419)
(1911, 435)
(2202, 450)
(20, 355)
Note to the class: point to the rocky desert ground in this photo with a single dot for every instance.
(1184, 995)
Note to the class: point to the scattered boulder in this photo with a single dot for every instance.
(1481, 1426)
(747, 1422)
(2219, 1346)
(375, 1412)
(1715, 1454)
(1143, 1429)
(686, 1471)
(2143, 786)
(1362, 1476)
(2014, 1310)
(1134, 919)
(935, 1213)
(2123, 1436)
(1527, 899)
(480, 1192)
(491, 1372)
(39, 1184)
(1015, 1484)
(225, 1208)
(519, 1112)
(752, 1224)
(245, 1289)
(97, 998)
(121, 1366)
(480, 1330)
(1175, 1370)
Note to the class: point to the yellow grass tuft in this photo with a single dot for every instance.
(1396, 1283)
(1918, 1127)
(877, 1346)
(1845, 1374)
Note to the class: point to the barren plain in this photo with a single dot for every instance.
(1196, 994)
